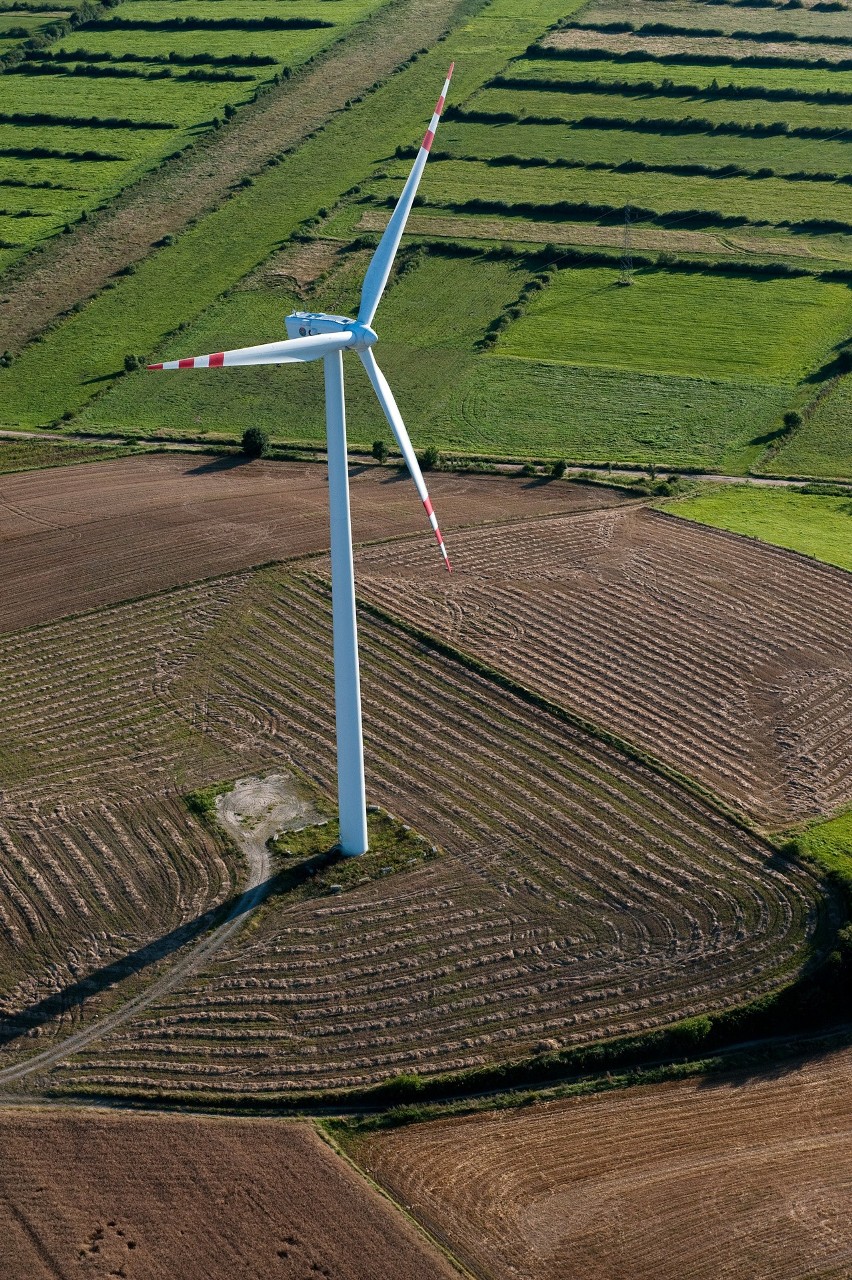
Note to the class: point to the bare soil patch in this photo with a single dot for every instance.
(716, 1180)
(73, 267)
(504, 229)
(718, 46)
(151, 1197)
(721, 655)
(90, 535)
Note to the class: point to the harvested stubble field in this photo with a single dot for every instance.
(91, 535)
(720, 655)
(157, 1197)
(716, 1180)
(581, 894)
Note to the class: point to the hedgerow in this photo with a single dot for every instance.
(712, 33)
(665, 125)
(760, 61)
(666, 89)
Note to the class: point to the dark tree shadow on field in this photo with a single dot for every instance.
(396, 476)
(15, 1025)
(230, 462)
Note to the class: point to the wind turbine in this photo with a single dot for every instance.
(315, 336)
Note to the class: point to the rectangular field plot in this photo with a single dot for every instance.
(822, 446)
(717, 47)
(800, 80)
(522, 407)
(685, 324)
(579, 105)
(536, 1191)
(814, 525)
(681, 200)
(614, 146)
(726, 18)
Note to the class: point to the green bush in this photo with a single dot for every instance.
(558, 469)
(380, 451)
(429, 458)
(255, 442)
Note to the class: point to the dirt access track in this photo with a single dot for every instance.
(76, 538)
(151, 1197)
(718, 1179)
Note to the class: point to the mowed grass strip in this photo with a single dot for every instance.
(815, 525)
(175, 285)
(671, 322)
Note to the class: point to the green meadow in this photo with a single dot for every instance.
(814, 525)
(684, 324)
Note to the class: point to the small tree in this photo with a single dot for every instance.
(558, 469)
(792, 420)
(380, 451)
(131, 362)
(255, 442)
(429, 458)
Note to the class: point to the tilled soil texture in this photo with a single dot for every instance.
(159, 1197)
(581, 894)
(91, 535)
(716, 1180)
(723, 656)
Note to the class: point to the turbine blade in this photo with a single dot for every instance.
(382, 260)
(291, 351)
(397, 426)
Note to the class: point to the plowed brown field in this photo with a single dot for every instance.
(721, 1180)
(86, 536)
(581, 893)
(178, 1198)
(723, 656)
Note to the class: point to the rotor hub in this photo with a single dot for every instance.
(306, 324)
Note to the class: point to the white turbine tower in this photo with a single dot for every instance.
(314, 336)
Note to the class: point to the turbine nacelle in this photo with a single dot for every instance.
(313, 324)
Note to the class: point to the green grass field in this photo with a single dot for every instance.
(451, 396)
(770, 201)
(814, 525)
(614, 146)
(830, 845)
(183, 101)
(689, 325)
(683, 369)
(173, 286)
(822, 446)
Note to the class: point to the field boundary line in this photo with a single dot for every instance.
(436, 1239)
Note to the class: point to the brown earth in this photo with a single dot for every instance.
(147, 1197)
(719, 654)
(580, 894)
(504, 229)
(85, 536)
(717, 46)
(73, 267)
(719, 1179)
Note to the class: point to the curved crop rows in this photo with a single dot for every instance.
(722, 656)
(581, 893)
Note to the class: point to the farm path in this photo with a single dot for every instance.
(74, 267)
(254, 810)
